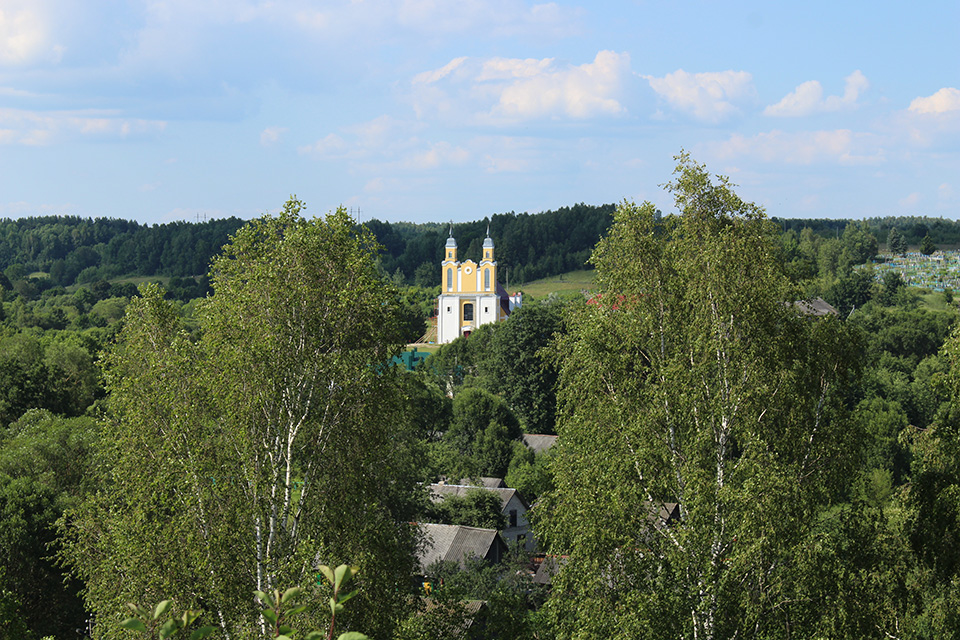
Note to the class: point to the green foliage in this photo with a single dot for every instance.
(858, 246)
(530, 473)
(851, 291)
(242, 456)
(459, 364)
(44, 464)
(896, 242)
(75, 250)
(516, 369)
(529, 246)
(480, 439)
(507, 589)
(477, 508)
(927, 247)
(691, 379)
(162, 623)
(337, 579)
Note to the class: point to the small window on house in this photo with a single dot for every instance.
(486, 309)
(448, 309)
(513, 517)
(486, 279)
(468, 312)
(449, 279)
(449, 254)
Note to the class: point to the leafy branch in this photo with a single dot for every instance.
(150, 624)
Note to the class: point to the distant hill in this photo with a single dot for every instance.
(528, 246)
(62, 251)
(71, 250)
(943, 232)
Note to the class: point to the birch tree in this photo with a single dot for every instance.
(271, 443)
(691, 378)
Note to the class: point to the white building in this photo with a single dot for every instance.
(470, 294)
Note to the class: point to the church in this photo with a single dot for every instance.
(470, 295)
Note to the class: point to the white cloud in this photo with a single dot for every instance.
(330, 145)
(709, 97)
(910, 201)
(945, 100)
(25, 34)
(512, 68)
(438, 155)
(510, 90)
(841, 146)
(808, 98)
(381, 133)
(271, 135)
(35, 128)
(375, 185)
(930, 122)
(584, 91)
(501, 164)
(430, 77)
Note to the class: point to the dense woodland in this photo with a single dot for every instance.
(228, 430)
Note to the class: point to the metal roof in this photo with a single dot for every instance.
(455, 543)
(440, 491)
(539, 442)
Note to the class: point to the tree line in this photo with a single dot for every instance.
(234, 443)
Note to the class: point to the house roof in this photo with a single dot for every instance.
(440, 491)
(660, 514)
(815, 307)
(539, 442)
(455, 543)
(472, 609)
(549, 567)
(487, 483)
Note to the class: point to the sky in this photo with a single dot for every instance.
(437, 110)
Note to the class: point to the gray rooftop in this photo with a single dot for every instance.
(456, 543)
(486, 482)
(440, 491)
(539, 442)
(815, 307)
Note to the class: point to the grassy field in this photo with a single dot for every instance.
(567, 284)
(934, 300)
(425, 348)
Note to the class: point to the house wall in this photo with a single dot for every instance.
(511, 534)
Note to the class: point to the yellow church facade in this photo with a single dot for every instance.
(470, 295)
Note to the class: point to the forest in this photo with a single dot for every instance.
(196, 413)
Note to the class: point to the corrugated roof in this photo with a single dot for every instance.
(440, 491)
(455, 543)
(549, 567)
(539, 442)
(489, 483)
(815, 307)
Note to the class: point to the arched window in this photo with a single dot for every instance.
(449, 279)
(486, 279)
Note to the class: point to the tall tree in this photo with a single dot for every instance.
(515, 368)
(897, 242)
(690, 379)
(241, 460)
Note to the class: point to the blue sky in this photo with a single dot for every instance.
(432, 110)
